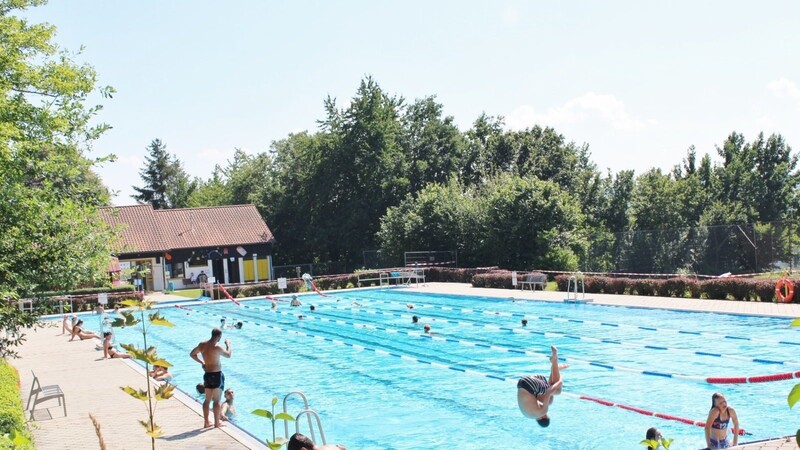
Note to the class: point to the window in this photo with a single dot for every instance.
(175, 270)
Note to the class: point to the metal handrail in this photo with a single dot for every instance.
(574, 280)
(309, 413)
(305, 407)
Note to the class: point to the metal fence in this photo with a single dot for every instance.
(313, 269)
(712, 250)
(378, 259)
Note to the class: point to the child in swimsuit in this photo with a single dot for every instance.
(717, 423)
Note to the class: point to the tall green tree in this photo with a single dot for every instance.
(211, 192)
(51, 236)
(166, 184)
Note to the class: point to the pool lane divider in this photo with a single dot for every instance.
(592, 322)
(645, 412)
(598, 340)
(710, 380)
(473, 372)
(224, 291)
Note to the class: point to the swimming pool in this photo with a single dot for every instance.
(378, 382)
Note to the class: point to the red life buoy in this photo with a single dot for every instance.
(784, 297)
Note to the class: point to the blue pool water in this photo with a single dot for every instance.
(379, 383)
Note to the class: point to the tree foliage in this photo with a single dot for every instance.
(383, 172)
(50, 235)
(166, 184)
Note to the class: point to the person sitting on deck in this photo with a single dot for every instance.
(78, 331)
(535, 392)
(302, 442)
(108, 348)
(67, 327)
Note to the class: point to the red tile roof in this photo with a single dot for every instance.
(147, 230)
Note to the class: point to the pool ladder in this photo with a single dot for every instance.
(309, 413)
(572, 286)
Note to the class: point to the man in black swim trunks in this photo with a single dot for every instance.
(535, 392)
(213, 379)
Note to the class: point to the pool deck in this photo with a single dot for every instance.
(92, 385)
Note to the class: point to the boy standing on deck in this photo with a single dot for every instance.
(213, 379)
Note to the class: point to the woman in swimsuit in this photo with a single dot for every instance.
(108, 348)
(78, 331)
(717, 423)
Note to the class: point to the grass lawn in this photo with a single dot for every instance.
(189, 293)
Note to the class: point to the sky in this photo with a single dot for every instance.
(639, 82)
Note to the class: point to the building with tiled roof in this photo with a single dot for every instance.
(229, 244)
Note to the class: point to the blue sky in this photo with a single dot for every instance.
(638, 81)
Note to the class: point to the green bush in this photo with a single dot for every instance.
(676, 287)
(498, 279)
(12, 416)
(94, 290)
(765, 290)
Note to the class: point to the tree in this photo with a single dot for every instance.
(433, 145)
(529, 223)
(51, 236)
(166, 184)
(439, 217)
(212, 192)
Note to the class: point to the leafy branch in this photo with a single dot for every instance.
(276, 442)
(149, 356)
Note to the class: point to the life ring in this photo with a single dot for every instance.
(784, 283)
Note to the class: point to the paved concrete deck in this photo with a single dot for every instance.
(91, 384)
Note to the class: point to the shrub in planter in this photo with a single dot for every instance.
(695, 288)
(765, 290)
(500, 280)
(561, 282)
(739, 289)
(595, 285)
(616, 286)
(675, 287)
(714, 289)
(645, 286)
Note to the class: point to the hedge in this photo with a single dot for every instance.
(84, 291)
(85, 303)
(12, 417)
(292, 286)
(717, 288)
